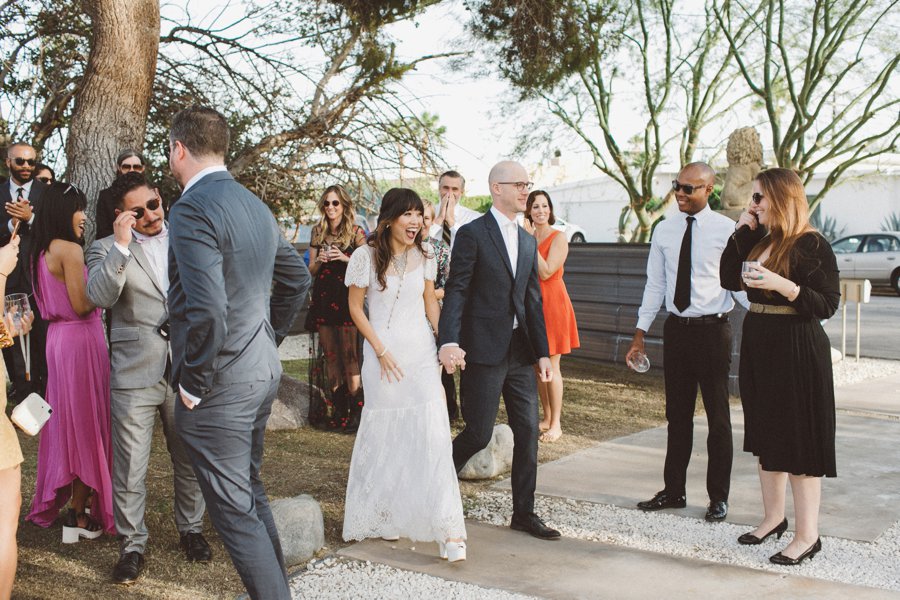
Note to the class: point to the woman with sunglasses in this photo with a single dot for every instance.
(787, 389)
(332, 242)
(74, 452)
(44, 173)
(127, 161)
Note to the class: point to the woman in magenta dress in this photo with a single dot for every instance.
(74, 452)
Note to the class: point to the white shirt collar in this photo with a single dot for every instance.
(502, 219)
(159, 236)
(699, 216)
(14, 187)
(193, 180)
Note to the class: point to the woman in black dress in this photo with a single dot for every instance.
(332, 242)
(787, 389)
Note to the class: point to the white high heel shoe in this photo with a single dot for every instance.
(452, 551)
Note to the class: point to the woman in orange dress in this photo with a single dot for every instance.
(559, 316)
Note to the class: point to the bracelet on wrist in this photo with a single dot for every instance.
(383, 352)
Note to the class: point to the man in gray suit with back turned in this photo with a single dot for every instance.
(236, 286)
(128, 275)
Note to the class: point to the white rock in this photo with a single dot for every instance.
(291, 406)
(495, 459)
(301, 527)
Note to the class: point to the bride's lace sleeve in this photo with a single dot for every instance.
(359, 268)
(430, 262)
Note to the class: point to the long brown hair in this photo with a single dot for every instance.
(346, 231)
(530, 202)
(788, 218)
(394, 203)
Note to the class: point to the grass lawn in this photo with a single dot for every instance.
(601, 402)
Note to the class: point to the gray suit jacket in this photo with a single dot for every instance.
(127, 286)
(236, 286)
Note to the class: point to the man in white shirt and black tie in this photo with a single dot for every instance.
(683, 271)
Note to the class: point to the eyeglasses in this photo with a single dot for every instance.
(334, 203)
(520, 185)
(688, 189)
(140, 210)
(46, 179)
(23, 161)
(125, 168)
(757, 198)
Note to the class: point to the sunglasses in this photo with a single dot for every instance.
(334, 203)
(688, 189)
(23, 161)
(138, 168)
(139, 211)
(46, 179)
(757, 198)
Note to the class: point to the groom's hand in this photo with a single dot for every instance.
(545, 369)
(452, 357)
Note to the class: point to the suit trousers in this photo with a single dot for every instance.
(133, 418)
(481, 386)
(697, 356)
(223, 436)
(450, 393)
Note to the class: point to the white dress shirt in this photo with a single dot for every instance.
(14, 195)
(156, 249)
(509, 229)
(708, 239)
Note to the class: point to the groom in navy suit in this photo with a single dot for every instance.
(492, 327)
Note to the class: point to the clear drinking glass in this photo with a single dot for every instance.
(639, 362)
(18, 306)
(747, 269)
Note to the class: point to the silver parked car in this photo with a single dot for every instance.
(872, 256)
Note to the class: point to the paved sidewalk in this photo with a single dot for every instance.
(860, 504)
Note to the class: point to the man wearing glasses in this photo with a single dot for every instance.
(128, 161)
(492, 327)
(128, 274)
(683, 272)
(21, 197)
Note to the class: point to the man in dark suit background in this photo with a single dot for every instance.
(226, 319)
(492, 326)
(20, 197)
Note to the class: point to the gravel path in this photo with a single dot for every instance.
(875, 564)
(848, 371)
(337, 578)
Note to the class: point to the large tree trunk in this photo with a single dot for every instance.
(111, 109)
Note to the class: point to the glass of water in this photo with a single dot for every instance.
(639, 362)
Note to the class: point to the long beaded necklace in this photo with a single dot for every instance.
(399, 265)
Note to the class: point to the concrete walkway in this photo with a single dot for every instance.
(860, 504)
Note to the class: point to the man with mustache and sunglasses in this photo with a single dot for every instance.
(682, 272)
(20, 197)
(128, 275)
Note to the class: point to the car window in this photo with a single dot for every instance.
(847, 245)
(881, 243)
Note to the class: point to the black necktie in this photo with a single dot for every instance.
(20, 194)
(445, 235)
(683, 280)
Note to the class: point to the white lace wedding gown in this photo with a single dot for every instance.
(402, 479)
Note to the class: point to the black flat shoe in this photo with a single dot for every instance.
(716, 511)
(128, 568)
(781, 559)
(663, 500)
(532, 524)
(195, 546)
(748, 539)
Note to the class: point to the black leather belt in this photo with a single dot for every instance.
(704, 320)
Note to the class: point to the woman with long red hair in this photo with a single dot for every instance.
(787, 389)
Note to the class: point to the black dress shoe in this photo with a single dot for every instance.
(129, 568)
(748, 539)
(195, 547)
(781, 559)
(716, 511)
(663, 500)
(532, 524)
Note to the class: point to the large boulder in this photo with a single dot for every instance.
(291, 406)
(301, 527)
(495, 459)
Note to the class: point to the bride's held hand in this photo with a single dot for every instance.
(390, 370)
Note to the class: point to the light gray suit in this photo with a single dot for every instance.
(236, 287)
(128, 287)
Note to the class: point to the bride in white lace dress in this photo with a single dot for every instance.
(402, 479)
